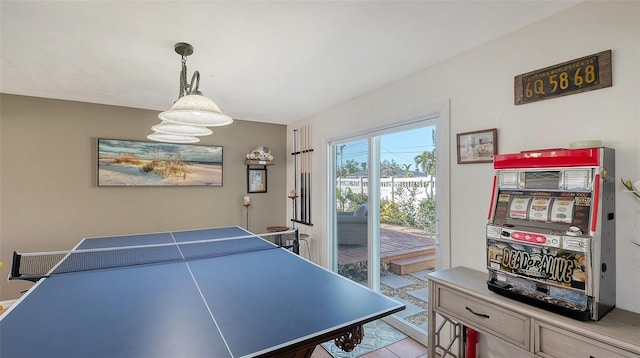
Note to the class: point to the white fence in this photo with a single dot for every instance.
(426, 186)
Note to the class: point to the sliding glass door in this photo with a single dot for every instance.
(385, 215)
(352, 209)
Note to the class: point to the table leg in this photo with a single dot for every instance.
(350, 340)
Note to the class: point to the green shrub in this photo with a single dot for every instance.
(390, 212)
(358, 271)
(402, 210)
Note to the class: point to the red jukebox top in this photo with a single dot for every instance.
(548, 158)
(558, 188)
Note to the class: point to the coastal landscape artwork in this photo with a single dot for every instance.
(139, 163)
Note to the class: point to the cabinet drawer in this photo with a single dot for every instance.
(551, 341)
(510, 326)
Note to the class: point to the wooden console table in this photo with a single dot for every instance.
(459, 297)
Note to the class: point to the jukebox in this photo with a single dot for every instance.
(551, 231)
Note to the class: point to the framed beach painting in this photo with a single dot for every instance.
(139, 163)
(478, 146)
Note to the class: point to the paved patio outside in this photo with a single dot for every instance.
(411, 289)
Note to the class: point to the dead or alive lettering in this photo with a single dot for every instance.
(553, 267)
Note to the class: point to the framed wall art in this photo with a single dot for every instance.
(139, 163)
(256, 180)
(477, 147)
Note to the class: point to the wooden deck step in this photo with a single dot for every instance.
(410, 253)
(413, 264)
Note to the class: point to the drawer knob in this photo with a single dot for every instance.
(477, 314)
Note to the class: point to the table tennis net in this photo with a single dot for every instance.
(36, 265)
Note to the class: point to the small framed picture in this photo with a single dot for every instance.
(257, 180)
(477, 147)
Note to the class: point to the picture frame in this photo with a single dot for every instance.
(131, 163)
(477, 147)
(256, 180)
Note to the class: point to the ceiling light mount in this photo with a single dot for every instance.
(183, 49)
(191, 108)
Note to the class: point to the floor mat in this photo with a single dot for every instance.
(377, 334)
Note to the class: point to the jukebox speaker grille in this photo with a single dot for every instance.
(542, 180)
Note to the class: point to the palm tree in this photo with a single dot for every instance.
(406, 168)
(426, 162)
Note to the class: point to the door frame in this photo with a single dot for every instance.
(440, 113)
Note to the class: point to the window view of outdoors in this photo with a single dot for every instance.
(407, 216)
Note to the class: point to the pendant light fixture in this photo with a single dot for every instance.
(173, 138)
(191, 113)
(181, 129)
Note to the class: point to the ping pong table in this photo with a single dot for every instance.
(246, 298)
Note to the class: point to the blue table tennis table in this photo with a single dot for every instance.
(249, 298)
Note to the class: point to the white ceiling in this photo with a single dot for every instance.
(261, 61)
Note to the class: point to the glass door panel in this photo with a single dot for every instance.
(384, 214)
(352, 211)
(407, 221)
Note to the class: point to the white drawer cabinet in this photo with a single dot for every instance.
(551, 341)
(459, 297)
(483, 315)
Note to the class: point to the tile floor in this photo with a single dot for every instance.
(406, 348)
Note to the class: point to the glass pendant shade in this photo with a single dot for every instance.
(172, 138)
(196, 110)
(191, 113)
(181, 129)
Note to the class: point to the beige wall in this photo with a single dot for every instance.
(48, 194)
(479, 86)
